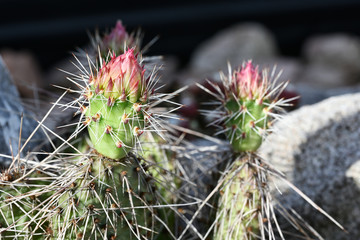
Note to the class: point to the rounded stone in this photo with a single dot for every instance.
(317, 147)
(235, 45)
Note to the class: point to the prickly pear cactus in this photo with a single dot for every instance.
(106, 193)
(117, 95)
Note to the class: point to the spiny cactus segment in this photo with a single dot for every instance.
(249, 101)
(115, 116)
(240, 202)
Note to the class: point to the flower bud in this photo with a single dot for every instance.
(247, 82)
(117, 36)
(122, 74)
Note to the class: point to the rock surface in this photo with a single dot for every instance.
(334, 50)
(333, 60)
(317, 147)
(235, 44)
(11, 110)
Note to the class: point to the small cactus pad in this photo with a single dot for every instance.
(247, 124)
(246, 109)
(117, 95)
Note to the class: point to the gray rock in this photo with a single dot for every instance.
(11, 110)
(326, 77)
(334, 50)
(235, 44)
(334, 59)
(317, 147)
(354, 173)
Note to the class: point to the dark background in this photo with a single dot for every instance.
(52, 29)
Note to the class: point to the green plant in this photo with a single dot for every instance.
(105, 192)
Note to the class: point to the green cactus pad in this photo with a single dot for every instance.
(247, 118)
(111, 136)
(107, 200)
(239, 204)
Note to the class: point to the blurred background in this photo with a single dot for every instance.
(50, 29)
(316, 43)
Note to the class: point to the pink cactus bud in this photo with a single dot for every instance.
(117, 36)
(247, 83)
(133, 75)
(121, 77)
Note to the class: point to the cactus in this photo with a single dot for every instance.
(240, 202)
(106, 193)
(248, 104)
(154, 149)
